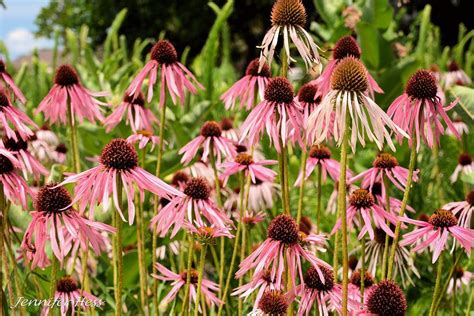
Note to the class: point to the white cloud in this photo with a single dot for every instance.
(21, 41)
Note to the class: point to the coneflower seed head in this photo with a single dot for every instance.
(288, 12)
(179, 177)
(164, 52)
(61, 148)
(6, 165)
(470, 198)
(194, 276)
(3, 100)
(453, 66)
(273, 303)
(356, 279)
(349, 75)
(443, 218)
(279, 90)
(119, 154)
(227, 124)
(376, 189)
(252, 69)
(380, 236)
(305, 225)
(346, 46)
(15, 145)
(244, 159)
(422, 85)
(138, 100)
(283, 228)
(240, 148)
(66, 75)
(385, 161)
(387, 299)
(465, 159)
(353, 262)
(319, 152)
(2, 66)
(211, 129)
(313, 281)
(361, 198)
(307, 92)
(66, 284)
(51, 199)
(198, 188)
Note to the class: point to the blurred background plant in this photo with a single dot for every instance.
(108, 41)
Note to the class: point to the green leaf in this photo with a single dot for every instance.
(72, 44)
(376, 51)
(466, 96)
(422, 38)
(112, 38)
(378, 13)
(329, 10)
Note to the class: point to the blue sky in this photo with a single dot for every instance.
(17, 26)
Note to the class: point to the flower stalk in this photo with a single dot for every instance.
(318, 197)
(406, 195)
(188, 274)
(304, 159)
(387, 237)
(202, 259)
(437, 286)
(117, 254)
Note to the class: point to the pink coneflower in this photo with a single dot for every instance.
(346, 46)
(465, 166)
(208, 288)
(14, 187)
(210, 138)
(59, 153)
(322, 290)
(55, 220)
(245, 162)
(417, 110)
(7, 78)
(348, 97)
(363, 202)
(308, 100)
(321, 155)
(179, 180)
(289, 18)
(331, 207)
(68, 92)
(379, 191)
(42, 144)
(174, 75)
(386, 298)
(207, 234)
(137, 115)
(190, 206)
(11, 115)
(355, 282)
(278, 114)
(228, 130)
(68, 295)
(460, 279)
(455, 76)
(245, 91)
(143, 138)
(118, 162)
(460, 126)
(464, 208)
(284, 243)
(385, 165)
(19, 148)
(260, 282)
(272, 302)
(251, 217)
(436, 230)
(261, 195)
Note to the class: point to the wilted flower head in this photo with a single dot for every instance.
(289, 18)
(249, 88)
(349, 101)
(417, 110)
(174, 75)
(11, 115)
(68, 95)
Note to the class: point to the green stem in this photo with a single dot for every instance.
(242, 257)
(362, 269)
(200, 272)
(156, 199)
(387, 237)
(304, 159)
(141, 255)
(437, 285)
(217, 183)
(453, 299)
(469, 304)
(76, 163)
(117, 251)
(406, 195)
(446, 283)
(318, 197)
(2, 249)
(52, 284)
(341, 206)
(188, 274)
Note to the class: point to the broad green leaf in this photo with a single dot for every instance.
(72, 44)
(466, 96)
(378, 13)
(424, 26)
(376, 51)
(111, 42)
(329, 10)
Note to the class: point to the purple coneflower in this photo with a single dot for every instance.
(261, 195)
(308, 100)
(189, 206)
(321, 155)
(228, 129)
(245, 162)
(208, 288)
(461, 127)
(379, 191)
(174, 75)
(346, 46)
(55, 220)
(464, 208)
(460, 279)
(278, 114)
(323, 292)
(385, 299)
(455, 76)
(68, 295)
(137, 115)
(11, 115)
(212, 141)
(284, 244)
(436, 231)
(465, 166)
(118, 163)
(272, 302)
(7, 78)
(363, 202)
(248, 88)
(385, 165)
(348, 97)
(355, 282)
(14, 186)
(417, 110)
(67, 94)
(288, 18)
(143, 138)
(260, 283)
